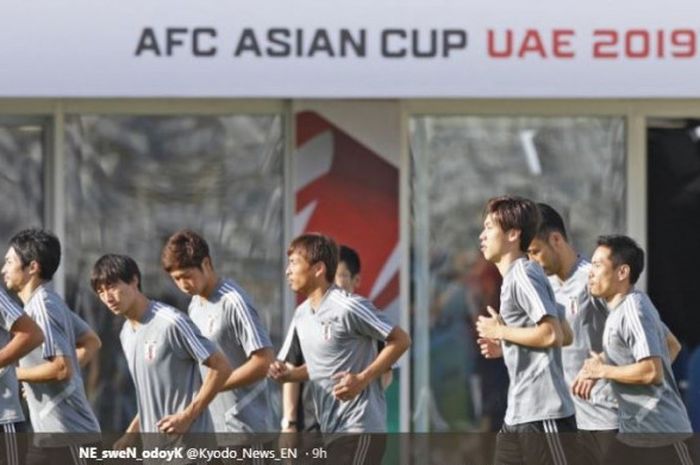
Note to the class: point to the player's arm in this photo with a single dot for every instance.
(350, 385)
(58, 368)
(290, 401)
(253, 370)
(219, 370)
(646, 371)
(290, 366)
(673, 345)
(26, 336)
(87, 345)
(547, 332)
(566, 332)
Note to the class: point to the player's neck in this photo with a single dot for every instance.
(135, 314)
(317, 294)
(210, 287)
(617, 298)
(568, 258)
(28, 289)
(506, 260)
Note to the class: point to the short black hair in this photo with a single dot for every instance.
(111, 268)
(40, 246)
(624, 251)
(351, 260)
(551, 222)
(514, 212)
(316, 247)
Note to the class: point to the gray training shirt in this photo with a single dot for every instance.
(10, 407)
(228, 319)
(633, 332)
(164, 353)
(57, 406)
(537, 389)
(341, 335)
(586, 316)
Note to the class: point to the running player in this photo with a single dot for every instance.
(531, 335)
(636, 361)
(50, 374)
(596, 413)
(163, 349)
(337, 333)
(224, 314)
(19, 335)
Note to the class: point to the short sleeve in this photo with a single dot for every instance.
(188, 341)
(9, 311)
(641, 332)
(364, 319)
(246, 324)
(533, 292)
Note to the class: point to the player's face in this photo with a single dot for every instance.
(602, 277)
(119, 297)
(492, 239)
(543, 253)
(300, 273)
(13, 273)
(344, 279)
(192, 281)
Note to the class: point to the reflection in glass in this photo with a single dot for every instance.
(575, 164)
(133, 181)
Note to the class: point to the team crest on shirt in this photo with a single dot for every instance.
(150, 350)
(573, 305)
(211, 324)
(327, 330)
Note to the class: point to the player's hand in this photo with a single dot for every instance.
(490, 348)
(593, 367)
(489, 327)
(583, 387)
(178, 423)
(279, 371)
(348, 385)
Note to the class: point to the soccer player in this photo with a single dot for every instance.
(596, 413)
(531, 335)
(347, 277)
(163, 349)
(337, 333)
(50, 374)
(19, 335)
(636, 360)
(224, 314)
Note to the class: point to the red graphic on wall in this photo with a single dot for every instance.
(356, 202)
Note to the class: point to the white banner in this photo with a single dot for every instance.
(349, 48)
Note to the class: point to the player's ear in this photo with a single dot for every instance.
(623, 272)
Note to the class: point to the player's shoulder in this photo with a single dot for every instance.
(231, 294)
(168, 315)
(346, 302)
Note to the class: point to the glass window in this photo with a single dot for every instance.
(22, 143)
(575, 164)
(133, 181)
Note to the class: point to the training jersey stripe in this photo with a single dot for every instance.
(181, 325)
(363, 312)
(43, 320)
(522, 278)
(636, 326)
(10, 308)
(243, 310)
